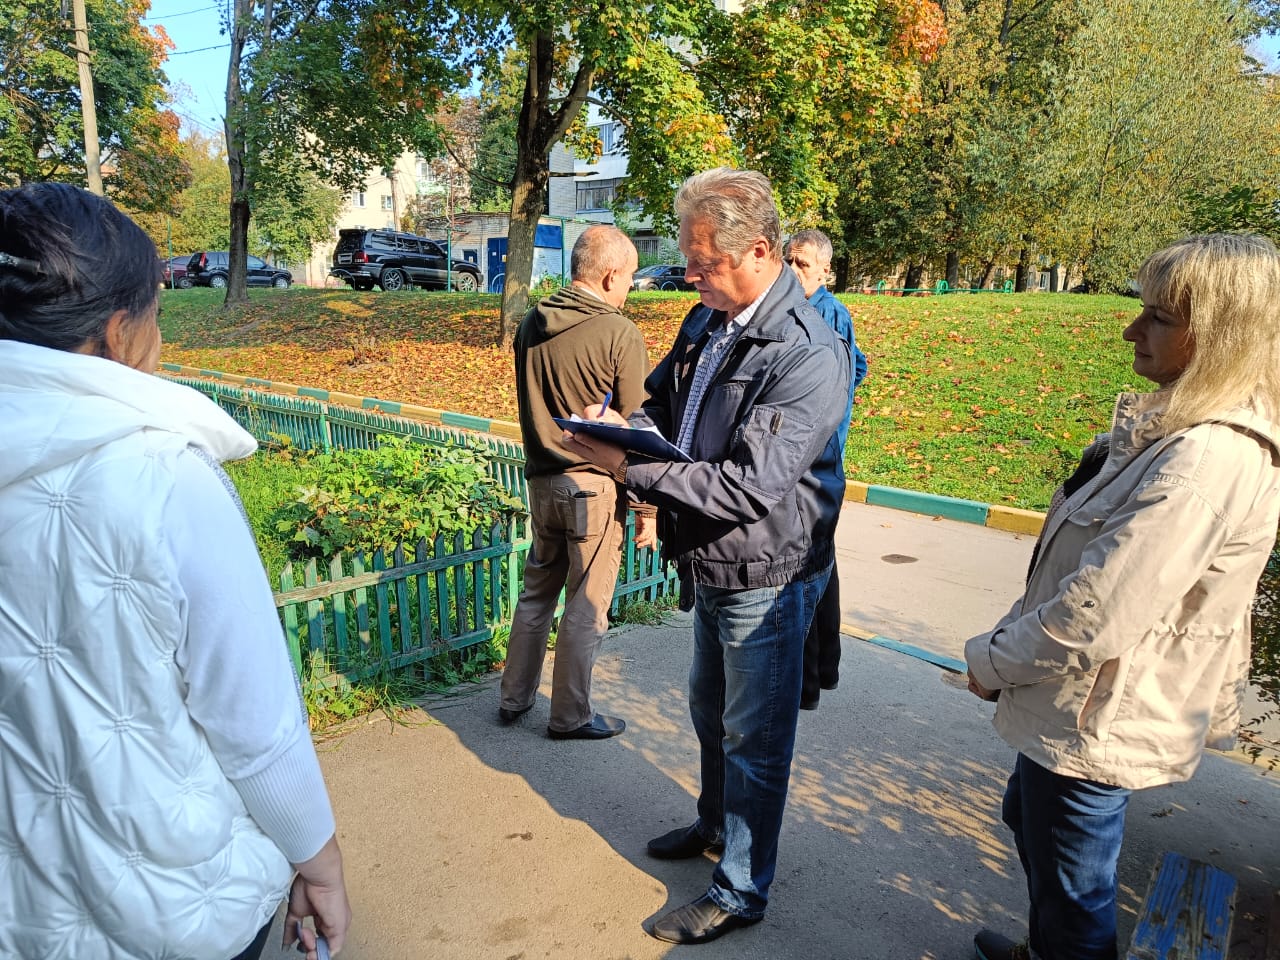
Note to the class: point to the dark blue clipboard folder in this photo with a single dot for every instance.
(649, 443)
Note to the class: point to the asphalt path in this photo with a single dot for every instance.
(467, 839)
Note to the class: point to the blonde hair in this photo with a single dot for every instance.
(1228, 286)
(738, 204)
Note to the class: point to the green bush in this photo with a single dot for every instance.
(400, 492)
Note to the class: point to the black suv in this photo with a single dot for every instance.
(397, 261)
(661, 276)
(208, 268)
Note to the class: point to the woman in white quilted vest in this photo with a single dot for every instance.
(1129, 651)
(161, 794)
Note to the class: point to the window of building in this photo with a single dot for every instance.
(596, 194)
(386, 202)
(357, 198)
(611, 137)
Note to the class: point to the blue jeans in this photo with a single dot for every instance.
(1068, 834)
(744, 697)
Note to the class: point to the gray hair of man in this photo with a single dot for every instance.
(816, 239)
(738, 204)
(601, 248)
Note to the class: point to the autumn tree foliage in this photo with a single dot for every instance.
(41, 128)
(329, 89)
(1055, 133)
(774, 87)
(1156, 102)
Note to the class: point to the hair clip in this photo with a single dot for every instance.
(21, 263)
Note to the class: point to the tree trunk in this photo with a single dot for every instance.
(840, 268)
(540, 128)
(1023, 271)
(988, 268)
(532, 172)
(953, 270)
(914, 273)
(237, 289)
(1055, 278)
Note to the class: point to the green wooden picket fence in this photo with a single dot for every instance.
(357, 616)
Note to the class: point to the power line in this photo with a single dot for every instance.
(185, 13)
(216, 46)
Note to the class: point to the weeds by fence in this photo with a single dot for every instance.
(355, 616)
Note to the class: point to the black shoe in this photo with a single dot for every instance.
(511, 716)
(598, 727)
(681, 844)
(989, 945)
(698, 922)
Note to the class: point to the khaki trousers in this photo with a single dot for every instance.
(577, 521)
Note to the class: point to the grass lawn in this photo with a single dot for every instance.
(985, 396)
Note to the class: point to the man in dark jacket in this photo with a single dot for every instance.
(752, 391)
(574, 350)
(808, 253)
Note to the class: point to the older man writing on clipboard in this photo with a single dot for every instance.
(751, 391)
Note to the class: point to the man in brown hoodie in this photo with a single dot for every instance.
(573, 349)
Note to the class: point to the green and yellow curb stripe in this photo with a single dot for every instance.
(1008, 519)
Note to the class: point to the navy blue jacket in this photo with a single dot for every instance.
(759, 504)
(838, 319)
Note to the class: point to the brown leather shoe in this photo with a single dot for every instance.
(698, 922)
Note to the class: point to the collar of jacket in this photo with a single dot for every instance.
(1137, 420)
(772, 319)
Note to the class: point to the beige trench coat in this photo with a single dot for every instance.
(1129, 651)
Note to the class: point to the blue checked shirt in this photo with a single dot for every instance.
(709, 362)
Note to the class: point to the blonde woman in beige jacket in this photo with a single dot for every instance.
(1129, 650)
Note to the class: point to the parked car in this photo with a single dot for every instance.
(175, 272)
(209, 268)
(661, 276)
(397, 261)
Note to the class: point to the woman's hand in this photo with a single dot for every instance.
(981, 692)
(319, 891)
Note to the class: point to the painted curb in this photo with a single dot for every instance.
(897, 646)
(1008, 519)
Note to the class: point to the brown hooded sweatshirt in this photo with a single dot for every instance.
(571, 349)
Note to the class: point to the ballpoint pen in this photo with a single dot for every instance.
(608, 395)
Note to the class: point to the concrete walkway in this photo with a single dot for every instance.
(465, 839)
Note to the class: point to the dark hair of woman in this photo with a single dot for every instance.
(69, 260)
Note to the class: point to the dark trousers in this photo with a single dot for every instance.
(1068, 833)
(822, 645)
(254, 950)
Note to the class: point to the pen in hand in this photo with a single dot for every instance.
(608, 395)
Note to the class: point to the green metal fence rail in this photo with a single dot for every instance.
(312, 424)
(356, 616)
(939, 288)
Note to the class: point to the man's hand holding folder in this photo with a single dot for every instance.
(604, 439)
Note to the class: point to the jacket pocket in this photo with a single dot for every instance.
(1102, 700)
(772, 449)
